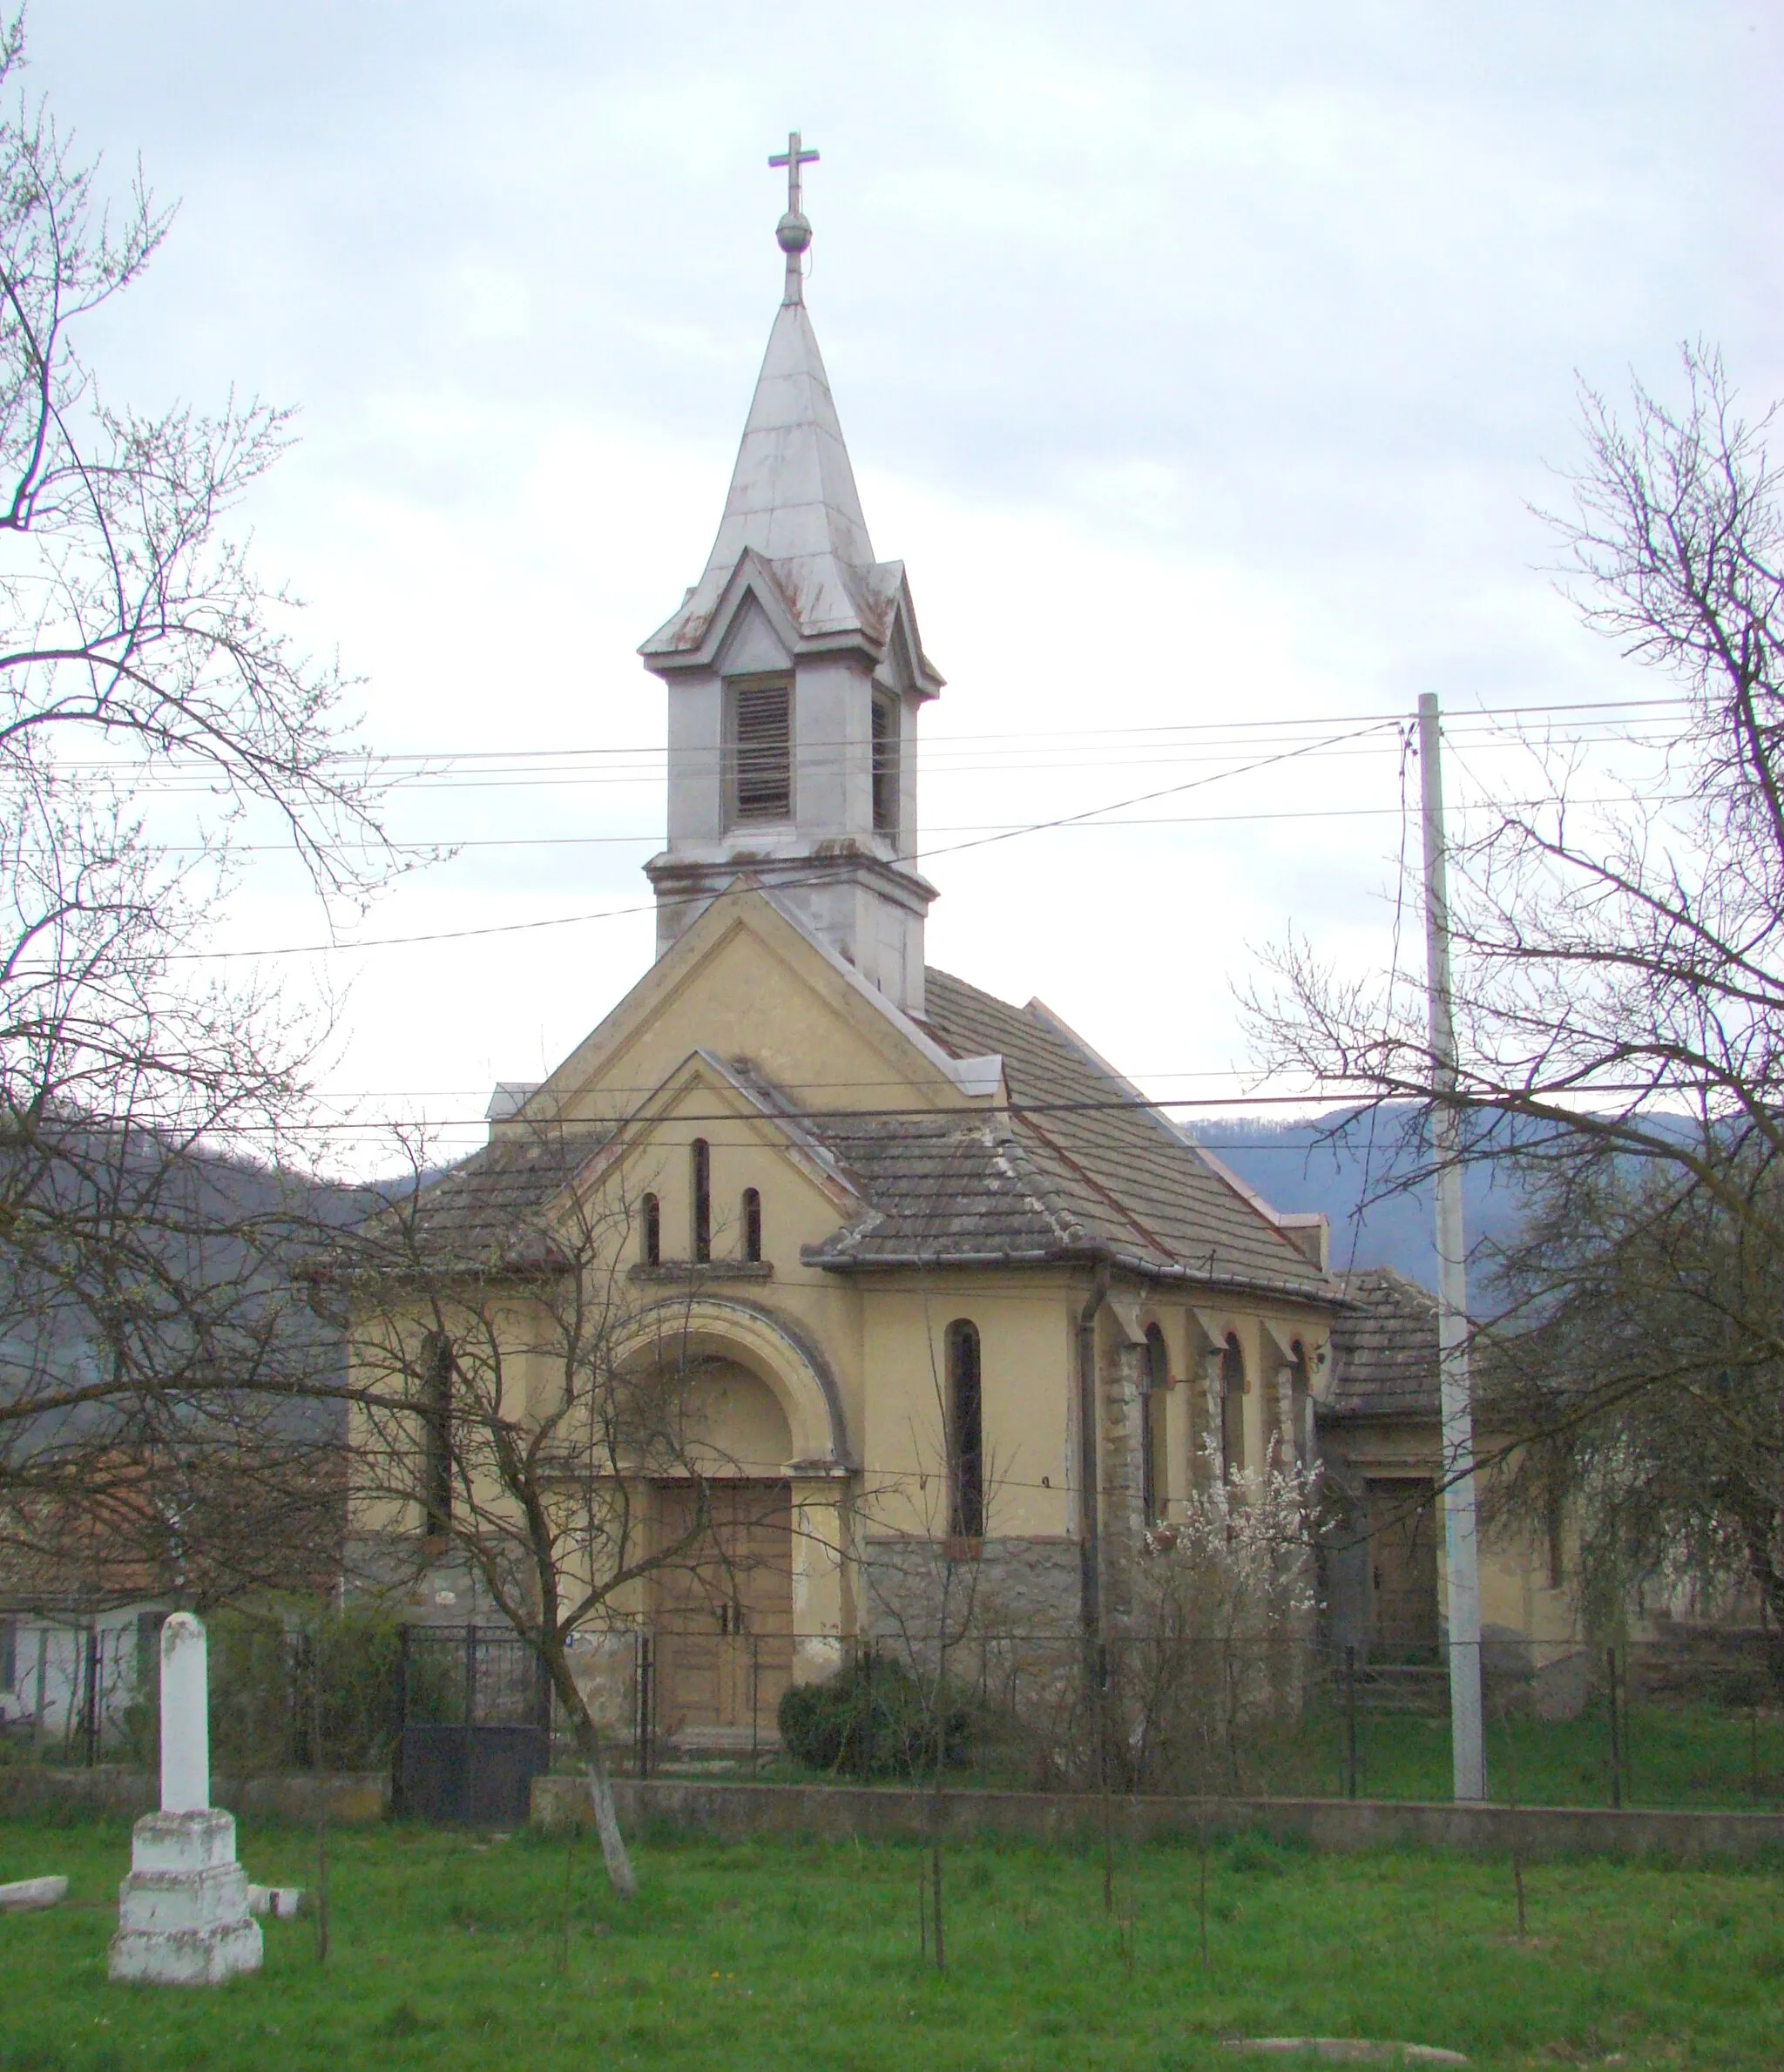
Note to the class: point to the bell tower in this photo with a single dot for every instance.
(796, 675)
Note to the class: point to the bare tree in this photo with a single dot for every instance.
(154, 701)
(519, 1400)
(1618, 966)
(1635, 1360)
(1619, 957)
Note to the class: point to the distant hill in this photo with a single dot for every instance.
(1332, 1162)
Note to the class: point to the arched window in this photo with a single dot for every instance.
(650, 1230)
(1301, 1408)
(966, 1435)
(1232, 1409)
(1152, 1492)
(701, 1191)
(752, 1226)
(436, 1435)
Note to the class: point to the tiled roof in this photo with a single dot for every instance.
(1089, 1170)
(1384, 1349)
(942, 1189)
(1109, 1164)
(488, 1213)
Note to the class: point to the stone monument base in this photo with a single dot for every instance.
(182, 1913)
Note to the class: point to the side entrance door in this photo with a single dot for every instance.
(1402, 1554)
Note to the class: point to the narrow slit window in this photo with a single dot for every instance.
(437, 1436)
(651, 1234)
(966, 1433)
(761, 751)
(885, 766)
(1232, 1410)
(702, 1193)
(752, 1226)
(1152, 1428)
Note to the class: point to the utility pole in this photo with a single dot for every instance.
(1460, 1544)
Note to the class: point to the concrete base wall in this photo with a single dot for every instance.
(737, 1812)
(345, 1799)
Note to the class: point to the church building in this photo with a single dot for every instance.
(967, 1313)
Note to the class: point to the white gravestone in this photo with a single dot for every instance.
(182, 1913)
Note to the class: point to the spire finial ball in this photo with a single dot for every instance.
(792, 232)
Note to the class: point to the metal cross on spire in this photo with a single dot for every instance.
(792, 232)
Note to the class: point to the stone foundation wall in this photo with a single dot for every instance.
(910, 1590)
(345, 1799)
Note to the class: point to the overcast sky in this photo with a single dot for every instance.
(1199, 362)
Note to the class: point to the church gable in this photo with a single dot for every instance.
(749, 1143)
(747, 982)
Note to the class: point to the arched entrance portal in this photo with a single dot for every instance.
(753, 1596)
(723, 1604)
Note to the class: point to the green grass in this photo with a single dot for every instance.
(1691, 1756)
(449, 1952)
(1673, 1756)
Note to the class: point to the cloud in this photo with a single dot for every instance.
(1199, 362)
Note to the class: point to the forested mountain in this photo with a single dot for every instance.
(1351, 1165)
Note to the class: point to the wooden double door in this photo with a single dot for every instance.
(724, 1610)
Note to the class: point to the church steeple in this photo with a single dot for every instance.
(795, 674)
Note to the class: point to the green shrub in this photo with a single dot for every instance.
(289, 1692)
(874, 1718)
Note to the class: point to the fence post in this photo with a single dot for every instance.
(90, 1711)
(646, 1668)
(755, 1702)
(1615, 1737)
(43, 1690)
(1350, 1723)
(470, 1675)
(303, 1705)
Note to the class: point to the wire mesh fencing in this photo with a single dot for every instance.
(285, 1695)
(1694, 1719)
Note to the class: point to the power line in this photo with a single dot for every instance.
(782, 884)
(1318, 723)
(1174, 820)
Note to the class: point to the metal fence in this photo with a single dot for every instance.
(1693, 1720)
(67, 1686)
(284, 1696)
(476, 1724)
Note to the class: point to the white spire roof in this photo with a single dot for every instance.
(792, 527)
(792, 501)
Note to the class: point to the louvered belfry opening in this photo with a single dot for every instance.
(885, 766)
(761, 750)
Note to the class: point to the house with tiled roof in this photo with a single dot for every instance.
(963, 1302)
(1378, 1435)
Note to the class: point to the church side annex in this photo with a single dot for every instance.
(948, 1305)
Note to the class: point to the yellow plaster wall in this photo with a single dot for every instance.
(743, 982)
(1026, 1356)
